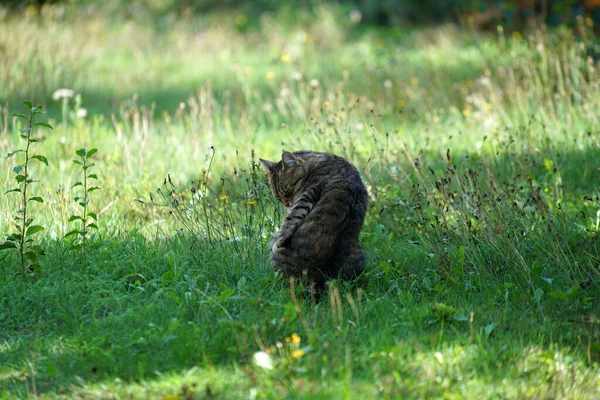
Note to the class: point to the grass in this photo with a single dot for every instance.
(480, 155)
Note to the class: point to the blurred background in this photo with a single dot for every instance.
(163, 50)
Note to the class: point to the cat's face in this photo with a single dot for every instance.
(285, 176)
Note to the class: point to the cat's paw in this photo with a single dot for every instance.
(279, 245)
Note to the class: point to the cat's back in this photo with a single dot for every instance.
(329, 169)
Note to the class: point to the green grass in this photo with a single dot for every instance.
(480, 153)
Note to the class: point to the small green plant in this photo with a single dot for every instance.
(237, 213)
(22, 238)
(86, 216)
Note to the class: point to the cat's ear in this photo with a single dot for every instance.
(290, 159)
(267, 164)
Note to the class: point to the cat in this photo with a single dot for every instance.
(318, 239)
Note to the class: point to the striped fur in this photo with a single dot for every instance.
(319, 238)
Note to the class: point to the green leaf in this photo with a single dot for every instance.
(51, 370)
(37, 198)
(20, 178)
(18, 168)
(31, 256)
(71, 233)
(36, 140)
(537, 295)
(14, 237)
(13, 190)
(91, 152)
(37, 268)
(28, 104)
(93, 188)
(44, 124)
(19, 115)
(77, 162)
(9, 155)
(170, 294)
(37, 250)
(241, 282)
(92, 176)
(93, 215)
(489, 328)
(75, 218)
(80, 152)
(224, 295)
(40, 158)
(93, 226)
(558, 295)
(8, 245)
(77, 184)
(33, 229)
(289, 312)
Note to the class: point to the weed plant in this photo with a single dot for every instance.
(22, 239)
(87, 218)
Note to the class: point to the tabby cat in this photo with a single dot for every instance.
(318, 239)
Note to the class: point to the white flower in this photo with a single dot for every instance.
(62, 93)
(263, 360)
(81, 113)
(314, 83)
(296, 76)
(355, 16)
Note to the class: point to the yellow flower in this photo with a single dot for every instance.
(517, 35)
(442, 110)
(286, 58)
(414, 81)
(345, 73)
(400, 103)
(297, 353)
(180, 195)
(288, 340)
(224, 197)
(466, 112)
(295, 338)
(252, 203)
(270, 75)
(589, 22)
(326, 104)
(488, 106)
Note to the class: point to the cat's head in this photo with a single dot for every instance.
(285, 176)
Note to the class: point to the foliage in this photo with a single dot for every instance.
(22, 238)
(86, 217)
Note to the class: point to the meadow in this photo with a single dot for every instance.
(480, 151)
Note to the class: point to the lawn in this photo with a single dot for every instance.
(480, 151)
